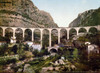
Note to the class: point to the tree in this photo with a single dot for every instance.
(3, 49)
(14, 49)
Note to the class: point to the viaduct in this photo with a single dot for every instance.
(50, 31)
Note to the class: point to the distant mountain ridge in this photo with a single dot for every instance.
(23, 13)
(87, 18)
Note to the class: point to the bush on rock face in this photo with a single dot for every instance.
(28, 54)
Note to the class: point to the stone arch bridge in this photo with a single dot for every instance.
(49, 29)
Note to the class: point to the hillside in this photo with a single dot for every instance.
(87, 18)
(23, 13)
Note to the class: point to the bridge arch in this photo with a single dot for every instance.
(9, 32)
(19, 34)
(82, 30)
(93, 30)
(45, 37)
(53, 50)
(63, 35)
(72, 32)
(28, 35)
(37, 36)
(54, 36)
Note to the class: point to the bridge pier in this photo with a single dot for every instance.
(41, 30)
(4, 31)
(58, 36)
(87, 29)
(49, 37)
(67, 33)
(32, 34)
(23, 33)
(99, 27)
(77, 30)
(14, 29)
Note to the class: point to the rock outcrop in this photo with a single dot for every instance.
(87, 18)
(23, 13)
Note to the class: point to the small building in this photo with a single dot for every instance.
(28, 43)
(36, 47)
(13, 40)
(93, 48)
(53, 49)
(2, 43)
(33, 46)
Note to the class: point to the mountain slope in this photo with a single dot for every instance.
(87, 18)
(23, 13)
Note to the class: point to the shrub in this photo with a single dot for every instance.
(75, 53)
(36, 52)
(41, 53)
(94, 61)
(14, 49)
(5, 61)
(28, 54)
(3, 49)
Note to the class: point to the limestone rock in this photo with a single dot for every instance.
(87, 18)
(20, 70)
(23, 13)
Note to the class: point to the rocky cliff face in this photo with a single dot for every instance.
(23, 13)
(87, 18)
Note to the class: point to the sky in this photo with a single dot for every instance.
(64, 12)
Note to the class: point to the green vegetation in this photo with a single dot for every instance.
(91, 20)
(28, 33)
(45, 40)
(40, 53)
(9, 12)
(46, 25)
(75, 56)
(38, 64)
(72, 33)
(54, 39)
(15, 13)
(75, 53)
(7, 60)
(3, 49)
(87, 61)
(94, 38)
